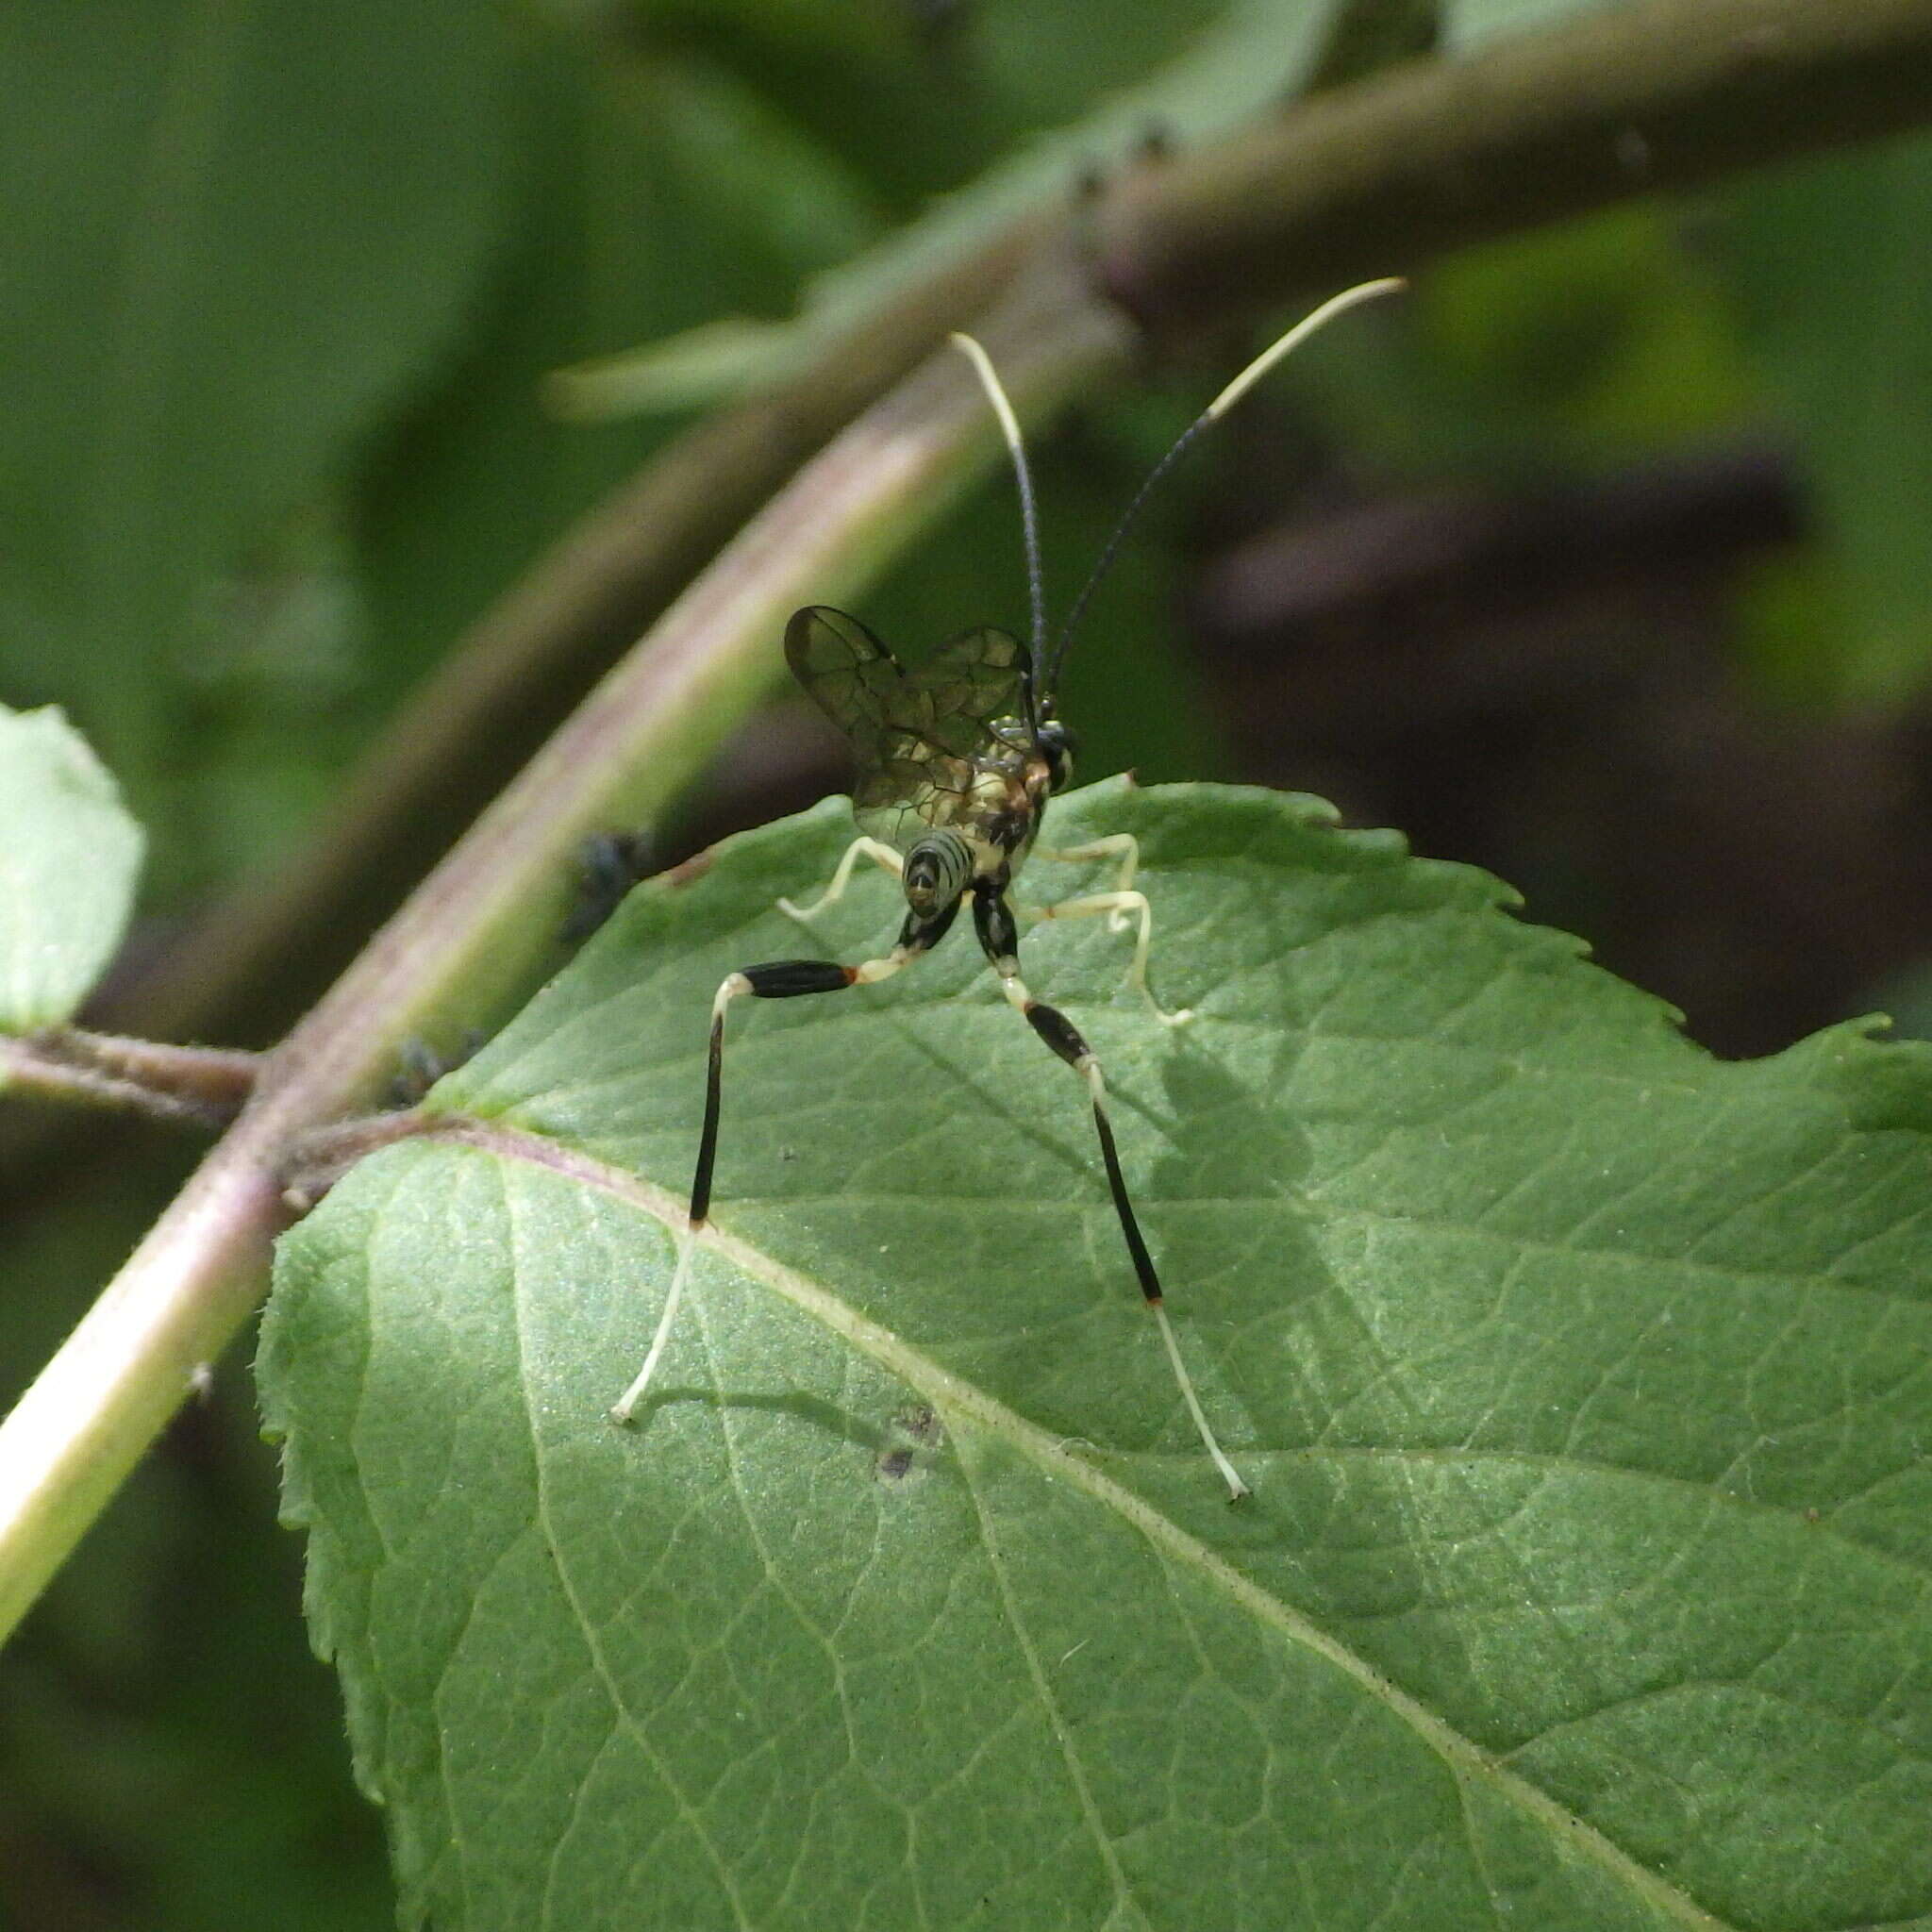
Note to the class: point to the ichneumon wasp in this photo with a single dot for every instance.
(956, 761)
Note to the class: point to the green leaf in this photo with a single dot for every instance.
(1581, 1379)
(239, 232)
(627, 224)
(1836, 288)
(69, 858)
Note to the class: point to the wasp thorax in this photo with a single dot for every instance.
(937, 870)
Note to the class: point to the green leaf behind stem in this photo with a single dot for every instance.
(69, 858)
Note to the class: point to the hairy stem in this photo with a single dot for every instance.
(193, 1086)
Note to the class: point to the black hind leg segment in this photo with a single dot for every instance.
(782, 980)
(883, 857)
(779, 979)
(998, 934)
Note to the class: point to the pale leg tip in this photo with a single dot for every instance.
(1181, 1016)
(1229, 1473)
(619, 1413)
(789, 910)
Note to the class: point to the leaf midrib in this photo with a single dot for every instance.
(621, 1715)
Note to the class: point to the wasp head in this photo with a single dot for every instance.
(1056, 744)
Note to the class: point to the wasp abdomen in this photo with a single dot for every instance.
(937, 870)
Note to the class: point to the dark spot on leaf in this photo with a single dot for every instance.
(910, 1435)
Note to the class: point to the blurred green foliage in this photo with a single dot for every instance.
(283, 285)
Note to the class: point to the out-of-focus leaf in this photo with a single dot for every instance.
(1835, 283)
(772, 203)
(626, 226)
(69, 858)
(233, 235)
(715, 359)
(1579, 1377)
(922, 98)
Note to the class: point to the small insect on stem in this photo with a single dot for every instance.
(956, 761)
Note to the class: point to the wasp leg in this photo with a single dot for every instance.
(1120, 907)
(781, 979)
(881, 855)
(1124, 906)
(999, 935)
(1120, 846)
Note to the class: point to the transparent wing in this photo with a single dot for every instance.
(850, 675)
(923, 737)
(971, 696)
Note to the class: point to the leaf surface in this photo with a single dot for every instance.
(69, 857)
(1581, 1379)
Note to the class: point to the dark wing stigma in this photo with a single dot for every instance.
(920, 737)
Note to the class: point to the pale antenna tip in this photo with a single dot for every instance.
(1286, 344)
(1016, 448)
(970, 347)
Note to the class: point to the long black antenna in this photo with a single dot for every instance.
(1336, 304)
(1030, 512)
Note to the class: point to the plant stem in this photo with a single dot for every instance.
(193, 1086)
(1390, 173)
